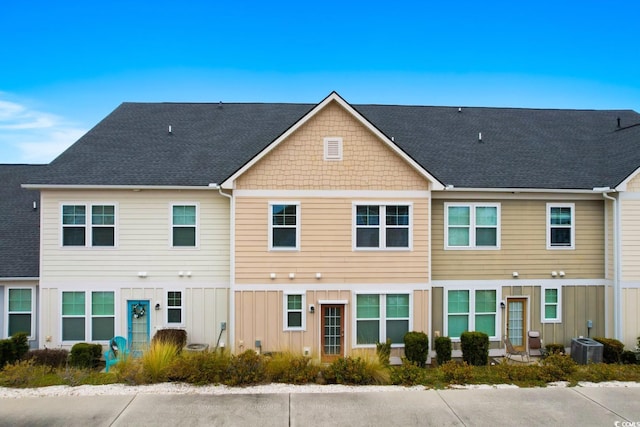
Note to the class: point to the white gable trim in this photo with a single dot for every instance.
(333, 97)
(623, 185)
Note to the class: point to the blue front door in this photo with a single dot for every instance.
(138, 326)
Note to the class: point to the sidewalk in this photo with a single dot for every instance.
(584, 406)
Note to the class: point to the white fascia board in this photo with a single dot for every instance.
(334, 97)
(115, 187)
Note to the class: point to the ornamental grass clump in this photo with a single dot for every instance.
(157, 360)
(290, 368)
(364, 369)
(200, 368)
(457, 372)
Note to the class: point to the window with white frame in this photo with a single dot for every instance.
(98, 325)
(382, 316)
(184, 225)
(472, 225)
(551, 304)
(382, 226)
(174, 308)
(20, 309)
(560, 226)
(294, 312)
(88, 225)
(284, 224)
(471, 310)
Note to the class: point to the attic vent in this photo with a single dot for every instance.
(333, 148)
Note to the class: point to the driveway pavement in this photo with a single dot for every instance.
(576, 406)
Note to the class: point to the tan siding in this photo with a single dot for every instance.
(326, 246)
(634, 184)
(367, 163)
(610, 239)
(630, 236)
(630, 318)
(523, 245)
(143, 239)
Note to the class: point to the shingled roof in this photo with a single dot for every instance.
(19, 222)
(519, 148)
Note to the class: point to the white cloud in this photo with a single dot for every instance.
(31, 136)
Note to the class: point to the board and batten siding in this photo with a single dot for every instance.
(143, 239)
(630, 317)
(523, 244)
(630, 238)
(326, 246)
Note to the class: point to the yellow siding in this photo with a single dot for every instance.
(630, 318)
(634, 184)
(523, 245)
(143, 235)
(297, 163)
(630, 236)
(326, 246)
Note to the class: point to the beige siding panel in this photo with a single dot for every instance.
(438, 312)
(523, 245)
(609, 241)
(326, 246)
(143, 234)
(630, 236)
(49, 318)
(634, 184)
(368, 164)
(421, 312)
(630, 317)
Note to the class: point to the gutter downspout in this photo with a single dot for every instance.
(617, 295)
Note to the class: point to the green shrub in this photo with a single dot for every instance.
(597, 372)
(612, 351)
(457, 372)
(554, 348)
(408, 374)
(383, 350)
(475, 348)
(53, 357)
(516, 374)
(157, 360)
(356, 371)
(416, 347)
(246, 369)
(629, 358)
(443, 350)
(13, 348)
(557, 367)
(85, 355)
(23, 373)
(20, 344)
(291, 368)
(177, 337)
(202, 367)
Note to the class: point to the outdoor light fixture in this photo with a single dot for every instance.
(561, 273)
(515, 274)
(292, 275)
(554, 273)
(272, 276)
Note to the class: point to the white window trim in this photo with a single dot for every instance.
(327, 152)
(285, 307)
(471, 313)
(382, 236)
(181, 307)
(472, 226)
(382, 319)
(33, 310)
(297, 227)
(197, 225)
(558, 318)
(573, 225)
(88, 224)
(88, 330)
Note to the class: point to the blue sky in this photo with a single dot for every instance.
(67, 64)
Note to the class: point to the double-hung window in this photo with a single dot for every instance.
(88, 316)
(88, 225)
(174, 308)
(471, 310)
(551, 305)
(382, 226)
(284, 225)
(294, 312)
(20, 311)
(472, 225)
(382, 316)
(560, 226)
(184, 225)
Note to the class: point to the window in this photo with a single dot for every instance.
(20, 311)
(294, 312)
(551, 306)
(174, 308)
(379, 317)
(100, 323)
(472, 226)
(101, 231)
(471, 310)
(284, 224)
(382, 226)
(333, 148)
(184, 225)
(560, 226)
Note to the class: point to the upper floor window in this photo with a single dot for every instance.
(184, 225)
(20, 311)
(284, 224)
(382, 226)
(472, 226)
(560, 226)
(96, 230)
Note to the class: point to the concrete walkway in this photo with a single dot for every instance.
(583, 406)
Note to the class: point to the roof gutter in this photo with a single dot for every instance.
(113, 187)
(450, 187)
(19, 279)
(617, 267)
